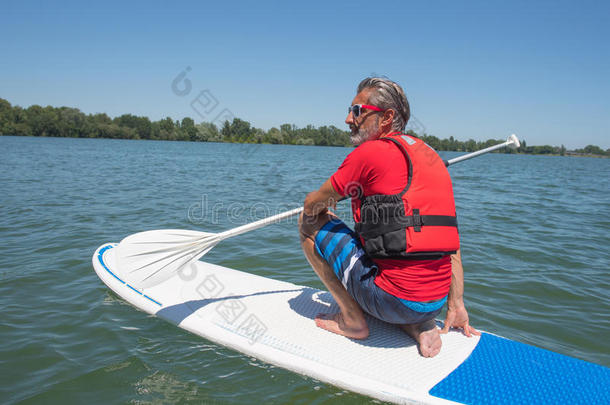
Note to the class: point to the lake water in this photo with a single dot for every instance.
(535, 235)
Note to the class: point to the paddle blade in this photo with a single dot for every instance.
(148, 258)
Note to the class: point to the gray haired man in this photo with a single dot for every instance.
(402, 264)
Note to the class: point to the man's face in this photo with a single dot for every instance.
(365, 127)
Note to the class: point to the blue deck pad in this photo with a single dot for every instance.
(502, 371)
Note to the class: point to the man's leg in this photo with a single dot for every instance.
(350, 320)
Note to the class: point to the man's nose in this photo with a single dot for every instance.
(350, 118)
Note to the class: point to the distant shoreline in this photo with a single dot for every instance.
(67, 122)
(509, 152)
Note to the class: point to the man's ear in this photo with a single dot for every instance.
(388, 118)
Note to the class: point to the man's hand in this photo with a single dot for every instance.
(317, 202)
(457, 317)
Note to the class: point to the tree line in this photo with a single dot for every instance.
(71, 122)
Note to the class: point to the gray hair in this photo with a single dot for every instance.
(388, 95)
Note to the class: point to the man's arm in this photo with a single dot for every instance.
(318, 201)
(457, 316)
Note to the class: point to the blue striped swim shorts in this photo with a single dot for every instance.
(342, 250)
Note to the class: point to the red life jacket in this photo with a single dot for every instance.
(418, 223)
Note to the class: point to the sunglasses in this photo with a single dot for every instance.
(356, 109)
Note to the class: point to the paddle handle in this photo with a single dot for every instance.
(512, 141)
(258, 224)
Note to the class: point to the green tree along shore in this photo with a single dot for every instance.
(71, 122)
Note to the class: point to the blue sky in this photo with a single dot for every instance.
(476, 70)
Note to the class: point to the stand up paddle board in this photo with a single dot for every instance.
(274, 322)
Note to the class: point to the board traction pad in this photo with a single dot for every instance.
(502, 371)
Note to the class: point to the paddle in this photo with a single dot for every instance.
(148, 258)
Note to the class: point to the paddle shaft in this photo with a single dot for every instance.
(258, 224)
(512, 141)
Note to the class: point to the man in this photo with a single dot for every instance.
(403, 262)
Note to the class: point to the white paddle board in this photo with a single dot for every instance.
(274, 322)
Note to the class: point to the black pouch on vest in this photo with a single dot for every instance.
(382, 225)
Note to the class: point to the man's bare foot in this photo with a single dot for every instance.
(335, 323)
(426, 334)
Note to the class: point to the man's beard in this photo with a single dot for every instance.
(362, 135)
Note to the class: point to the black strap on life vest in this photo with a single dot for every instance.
(417, 221)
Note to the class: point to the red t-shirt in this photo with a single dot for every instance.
(379, 167)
